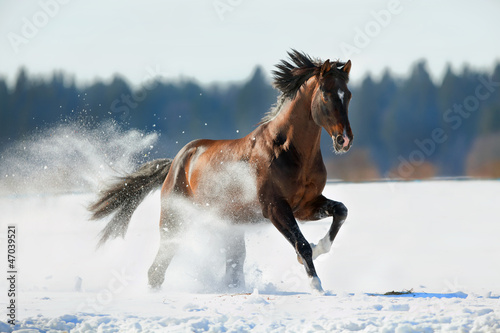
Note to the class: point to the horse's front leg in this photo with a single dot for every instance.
(321, 208)
(281, 215)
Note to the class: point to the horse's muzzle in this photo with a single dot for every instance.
(341, 143)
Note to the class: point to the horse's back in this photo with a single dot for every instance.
(216, 174)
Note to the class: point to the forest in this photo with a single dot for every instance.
(404, 127)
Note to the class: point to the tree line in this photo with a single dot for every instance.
(400, 125)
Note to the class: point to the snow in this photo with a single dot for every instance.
(438, 238)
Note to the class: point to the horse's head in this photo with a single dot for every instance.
(330, 103)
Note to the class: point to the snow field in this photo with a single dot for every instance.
(292, 312)
(438, 237)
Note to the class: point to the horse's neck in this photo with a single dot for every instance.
(296, 124)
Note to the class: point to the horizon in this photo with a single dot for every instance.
(73, 78)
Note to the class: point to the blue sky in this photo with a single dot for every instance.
(223, 40)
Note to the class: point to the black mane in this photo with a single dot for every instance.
(289, 77)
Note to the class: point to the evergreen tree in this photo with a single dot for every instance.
(412, 116)
(5, 117)
(367, 113)
(389, 117)
(489, 121)
(254, 99)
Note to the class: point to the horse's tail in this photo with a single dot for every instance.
(125, 195)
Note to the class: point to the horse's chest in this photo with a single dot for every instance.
(304, 193)
(300, 186)
(298, 176)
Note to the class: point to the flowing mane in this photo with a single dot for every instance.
(289, 77)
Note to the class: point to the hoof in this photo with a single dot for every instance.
(154, 288)
(155, 283)
(235, 280)
(316, 287)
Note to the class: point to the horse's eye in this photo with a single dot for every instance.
(324, 97)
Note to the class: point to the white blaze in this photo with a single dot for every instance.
(341, 96)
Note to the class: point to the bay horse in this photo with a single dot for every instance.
(276, 172)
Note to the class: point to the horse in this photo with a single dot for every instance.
(275, 173)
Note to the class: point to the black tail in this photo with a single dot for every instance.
(124, 196)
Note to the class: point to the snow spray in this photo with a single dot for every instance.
(71, 158)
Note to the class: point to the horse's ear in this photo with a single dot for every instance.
(325, 68)
(347, 67)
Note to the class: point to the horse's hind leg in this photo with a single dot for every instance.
(169, 230)
(235, 258)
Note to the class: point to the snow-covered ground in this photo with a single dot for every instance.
(439, 238)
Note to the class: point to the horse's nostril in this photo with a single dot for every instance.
(339, 139)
